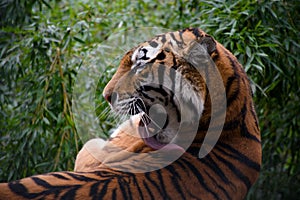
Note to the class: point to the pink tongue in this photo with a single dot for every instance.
(149, 140)
(153, 143)
(168, 148)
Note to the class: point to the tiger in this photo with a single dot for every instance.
(164, 73)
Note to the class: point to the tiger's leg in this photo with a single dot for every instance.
(95, 151)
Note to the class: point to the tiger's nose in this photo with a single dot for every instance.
(107, 97)
(110, 97)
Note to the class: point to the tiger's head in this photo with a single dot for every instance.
(166, 79)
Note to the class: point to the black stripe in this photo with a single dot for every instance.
(179, 43)
(135, 182)
(176, 178)
(237, 155)
(114, 194)
(19, 189)
(163, 38)
(175, 65)
(229, 83)
(144, 94)
(162, 184)
(103, 190)
(54, 189)
(153, 44)
(218, 185)
(143, 90)
(81, 177)
(173, 171)
(161, 71)
(71, 193)
(235, 171)
(148, 177)
(148, 88)
(199, 176)
(123, 186)
(148, 189)
(235, 65)
(244, 130)
(208, 161)
(193, 150)
(247, 134)
(233, 96)
(42, 182)
(94, 190)
(233, 124)
(196, 32)
(180, 34)
(239, 122)
(161, 56)
(181, 165)
(107, 174)
(59, 176)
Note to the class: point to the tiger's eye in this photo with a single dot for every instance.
(153, 44)
(167, 49)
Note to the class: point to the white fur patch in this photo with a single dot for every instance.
(129, 126)
(144, 51)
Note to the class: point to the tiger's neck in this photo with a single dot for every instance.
(240, 127)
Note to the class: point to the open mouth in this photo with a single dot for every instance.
(153, 121)
(149, 132)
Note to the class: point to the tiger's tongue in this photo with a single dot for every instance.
(169, 149)
(153, 143)
(148, 137)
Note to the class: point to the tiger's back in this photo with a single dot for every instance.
(226, 172)
(186, 178)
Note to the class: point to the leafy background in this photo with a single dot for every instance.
(43, 43)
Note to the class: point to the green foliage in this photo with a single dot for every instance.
(44, 43)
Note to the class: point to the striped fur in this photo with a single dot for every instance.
(227, 172)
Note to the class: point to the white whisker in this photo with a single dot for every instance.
(148, 117)
(105, 113)
(100, 104)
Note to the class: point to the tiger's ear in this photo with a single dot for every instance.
(209, 43)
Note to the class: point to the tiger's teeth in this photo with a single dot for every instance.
(151, 129)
